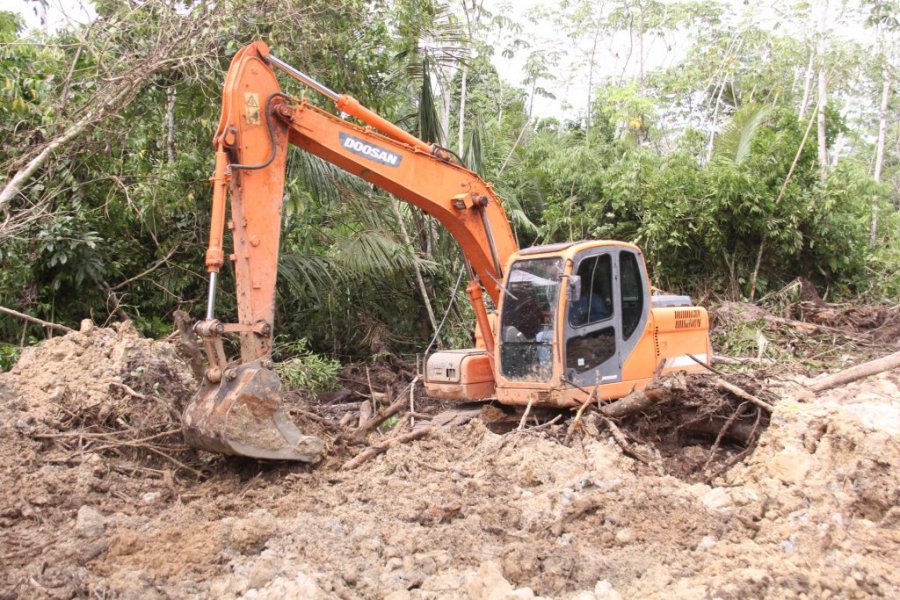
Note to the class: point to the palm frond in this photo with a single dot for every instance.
(736, 141)
(375, 254)
(325, 183)
(429, 123)
(474, 154)
(308, 275)
(519, 218)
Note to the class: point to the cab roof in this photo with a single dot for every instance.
(570, 248)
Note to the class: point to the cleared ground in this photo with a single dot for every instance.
(99, 498)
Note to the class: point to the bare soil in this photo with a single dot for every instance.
(99, 497)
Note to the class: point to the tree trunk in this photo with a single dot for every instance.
(879, 146)
(823, 92)
(170, 124)
(656, 392)
(715, 120)
(471, 21)
(461, 139)
(531, 99)
(873, 367)
(807, 84)
(418, 272)
(590, 85)
(641, 50)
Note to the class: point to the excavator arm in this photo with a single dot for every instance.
(259, 121)
(237, 410)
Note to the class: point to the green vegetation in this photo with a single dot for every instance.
(305, 370)
(715, 163)
(8, 356)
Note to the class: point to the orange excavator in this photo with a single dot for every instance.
(573, 321)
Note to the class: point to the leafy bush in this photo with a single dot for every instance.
(306, 371)
(8, 357)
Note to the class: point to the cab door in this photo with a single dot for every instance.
(604, 325)
(592, 329)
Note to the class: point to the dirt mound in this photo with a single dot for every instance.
(106, 390)
(80, 417)
(91, 370)
(729, 314)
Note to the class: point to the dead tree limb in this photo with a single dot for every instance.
(119, 89)
(400, 404)
(525, 414)
(886, 363)
(576, 422)
(35, 320)
(375, 450)
(741, 360)
(623, 442)
(724, 386)
(640, 400)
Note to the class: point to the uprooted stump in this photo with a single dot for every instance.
(690, 426)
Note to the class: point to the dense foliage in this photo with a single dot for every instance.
(715, 175)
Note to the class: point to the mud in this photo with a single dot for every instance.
(812, 512)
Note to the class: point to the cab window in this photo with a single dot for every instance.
(632, 293)
(595, 303)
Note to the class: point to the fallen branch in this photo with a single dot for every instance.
(525, 414)
(579, 507)
(886, 363)
(576, 422)
(375, 450)
(128, 390)
(640, 400)
(741, 360)
(712, 451)
(804, 326)
(547, 424)
(412, 401)
(623, 442)
(455, 417)
(712, 425)
(400, 404)
(320, 420)
(723, 385)
(35, 320)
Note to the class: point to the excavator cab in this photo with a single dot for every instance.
(574, 317)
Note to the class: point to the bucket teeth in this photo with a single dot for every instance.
(242, 415)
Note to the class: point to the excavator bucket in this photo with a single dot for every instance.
(242, 415)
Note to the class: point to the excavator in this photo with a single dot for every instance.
(570, 322)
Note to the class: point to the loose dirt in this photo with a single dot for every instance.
(100, 498)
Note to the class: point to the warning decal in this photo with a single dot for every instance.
(251, 108)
